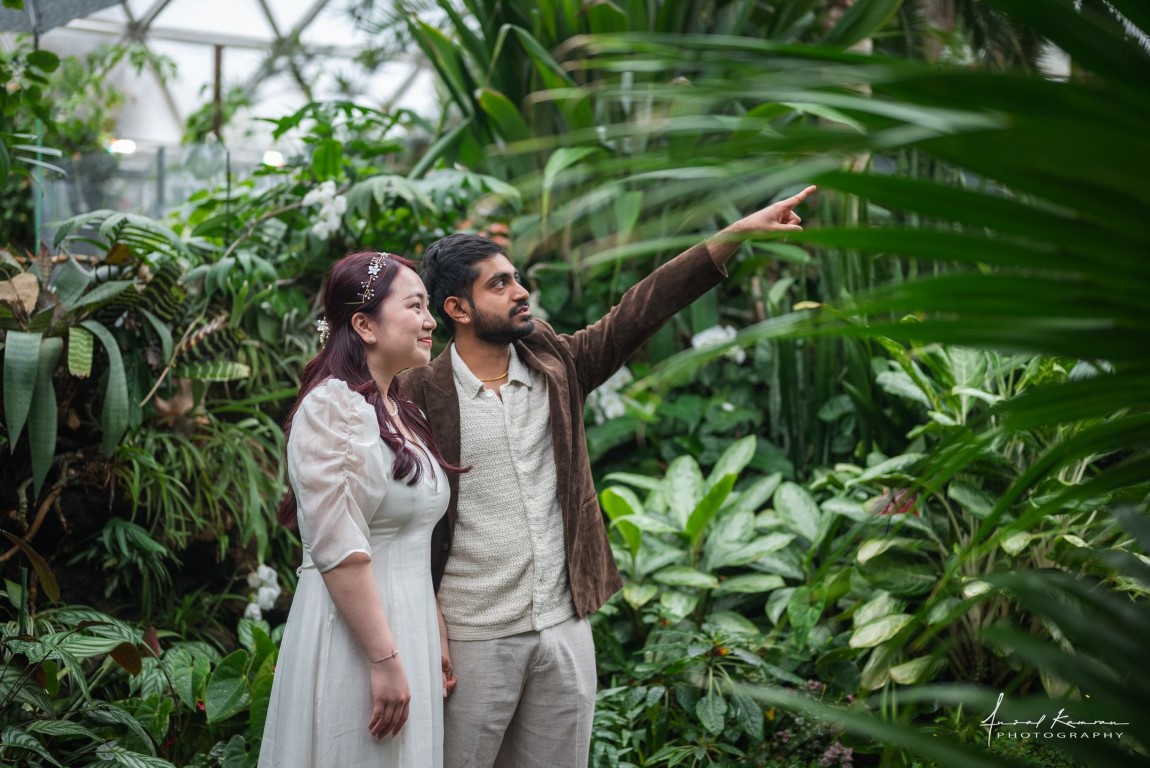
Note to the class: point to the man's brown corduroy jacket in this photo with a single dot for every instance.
(574, 365)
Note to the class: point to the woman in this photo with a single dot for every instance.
(360, 680)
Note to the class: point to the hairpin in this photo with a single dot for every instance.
(323, 329)
(377, 263)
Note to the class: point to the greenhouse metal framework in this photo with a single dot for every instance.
(277, 55)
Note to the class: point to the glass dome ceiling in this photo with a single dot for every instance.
(279, 53)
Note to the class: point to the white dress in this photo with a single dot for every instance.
(348, 502)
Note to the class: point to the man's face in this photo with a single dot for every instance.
(499, 310)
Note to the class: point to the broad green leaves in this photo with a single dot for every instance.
(29, 397)
(880, 630)
(798, 510)
(115, 410)
(227, 691)
(21, 361)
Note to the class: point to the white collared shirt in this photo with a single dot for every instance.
(507, 572)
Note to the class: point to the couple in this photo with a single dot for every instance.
(395, 596)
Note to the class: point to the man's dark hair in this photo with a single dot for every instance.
(448, 269)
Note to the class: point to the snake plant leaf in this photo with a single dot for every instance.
(213, 370)
(42, 415)
(80, 349)
(114, 415)
(21, 358)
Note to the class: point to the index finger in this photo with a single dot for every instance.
(794, 200)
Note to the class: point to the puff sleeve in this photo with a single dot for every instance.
(338, 469)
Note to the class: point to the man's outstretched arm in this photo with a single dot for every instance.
(776, 217)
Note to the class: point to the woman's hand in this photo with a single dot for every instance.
(390, 698)
(445, 655)
(449, 680)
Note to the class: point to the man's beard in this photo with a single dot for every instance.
(496, 330)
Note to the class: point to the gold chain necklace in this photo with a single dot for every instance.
(496, 378)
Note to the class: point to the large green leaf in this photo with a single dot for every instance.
(189, 673)
(880, 630)
(900, 573)
(708, 507)
(685, 576)
(753, 583)
(619, 503)
(42, 416)
(21, 365)
(227, 692)
(114, 415)
(1043, 239)
(798, 508)
(683, 488)
(1118, 60)
(712, 710)
(327, 159)
(734, 459)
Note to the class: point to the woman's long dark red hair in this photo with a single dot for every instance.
(342, 357)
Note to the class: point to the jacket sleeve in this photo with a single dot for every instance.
(603, 347)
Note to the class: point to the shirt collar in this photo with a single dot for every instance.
(516, 372)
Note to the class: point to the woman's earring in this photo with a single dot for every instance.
(371, 340)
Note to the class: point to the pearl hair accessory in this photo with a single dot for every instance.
(373, 269)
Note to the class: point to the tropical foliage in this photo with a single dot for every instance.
(891, 469)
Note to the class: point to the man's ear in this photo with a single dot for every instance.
(457, 310)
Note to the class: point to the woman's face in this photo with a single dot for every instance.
(403, 325)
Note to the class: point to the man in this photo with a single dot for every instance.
(521, 557)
